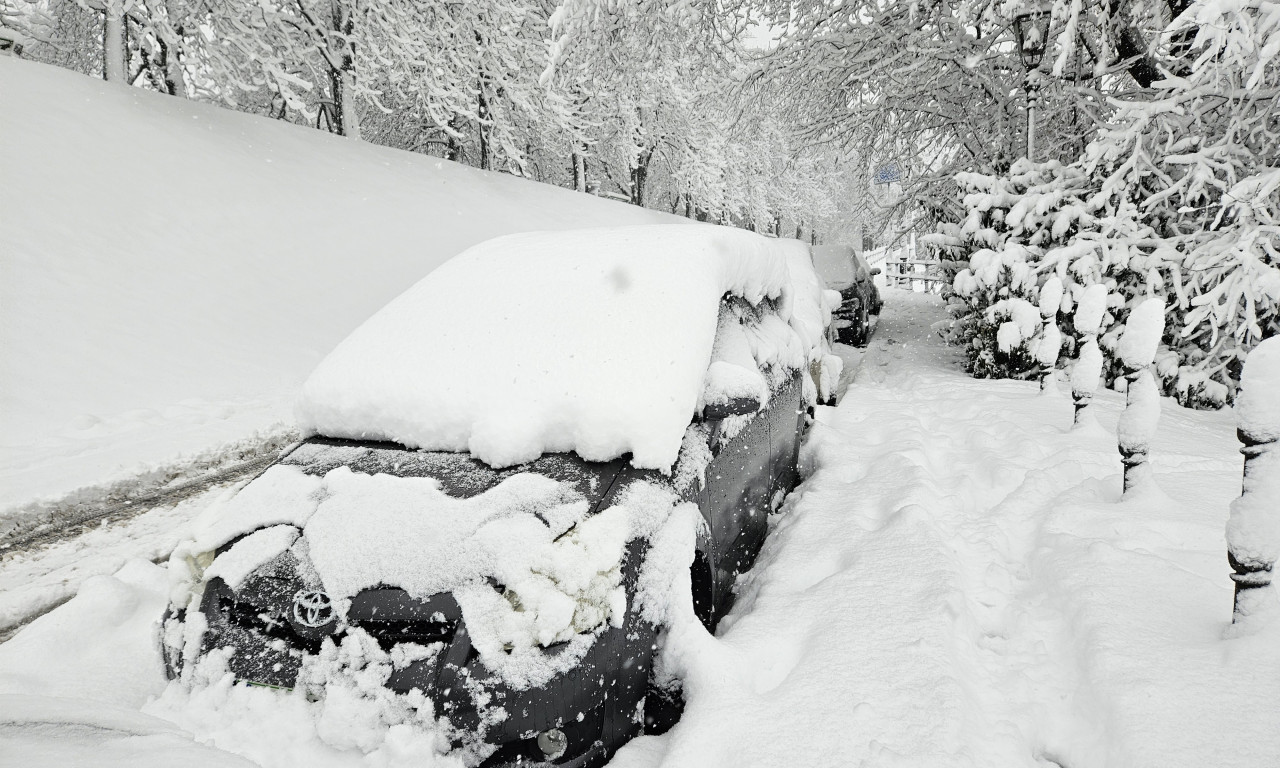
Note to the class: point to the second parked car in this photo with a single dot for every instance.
(844, 269)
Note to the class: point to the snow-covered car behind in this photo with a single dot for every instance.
(843, 269)
(512, 464)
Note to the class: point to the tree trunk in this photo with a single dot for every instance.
(455, 147)
(113, 42)
(640, 175)
(486, 151)
(342, 80)
(579, 172)
(1132, 46)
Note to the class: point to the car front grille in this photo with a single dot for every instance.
(420, 631)
(391, 615)
(266, 622)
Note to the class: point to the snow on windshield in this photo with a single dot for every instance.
(595, 341)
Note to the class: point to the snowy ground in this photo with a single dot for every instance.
(956, 584)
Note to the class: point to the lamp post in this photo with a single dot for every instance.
(1031, 27)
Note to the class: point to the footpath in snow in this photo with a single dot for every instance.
(957, 583)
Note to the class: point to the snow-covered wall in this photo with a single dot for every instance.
(170, 272)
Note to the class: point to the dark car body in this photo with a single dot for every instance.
(843, 269)
(268, 625)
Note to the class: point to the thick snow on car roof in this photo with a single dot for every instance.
(594, 341)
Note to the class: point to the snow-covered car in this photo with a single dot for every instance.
(517, 471)
(843, 269)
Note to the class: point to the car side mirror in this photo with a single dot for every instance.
(734, 406)
(876, 271)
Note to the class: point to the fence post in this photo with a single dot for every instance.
(1088, 368)
(1253, 529)
(1137, 426)
(1050, 337)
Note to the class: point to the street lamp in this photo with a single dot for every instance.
(1031, 27)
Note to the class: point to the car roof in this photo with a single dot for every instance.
(593, 341)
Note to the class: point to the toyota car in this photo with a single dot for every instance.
(508, 468)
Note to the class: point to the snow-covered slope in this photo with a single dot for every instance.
(170, 272)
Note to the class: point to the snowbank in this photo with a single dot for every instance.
(593, 341)
(172, 271)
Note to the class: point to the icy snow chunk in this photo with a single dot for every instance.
(726, 381)
(733, 372)
(828, 378)
(570, 587)
(259, 547)
(695, 457)
(1258, 402)
(1142, 332)
(593, 341)
(1024, 321)
(1008, 336)
(283, 495)
(405, 531)
(807, 307)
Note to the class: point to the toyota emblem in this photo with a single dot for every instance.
(312, 608)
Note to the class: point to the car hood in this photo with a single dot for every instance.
(378, 515)
(534, 556)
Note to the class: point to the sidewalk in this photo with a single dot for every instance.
(958, 584)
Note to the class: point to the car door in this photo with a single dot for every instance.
(738, 485)
(786, 425)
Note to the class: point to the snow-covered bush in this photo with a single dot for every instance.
(1190, 191)
(1000, 249)
(1178, 198)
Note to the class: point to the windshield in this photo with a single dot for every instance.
(459, 475)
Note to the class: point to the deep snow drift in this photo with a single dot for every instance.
(958, 583)
(172, 271)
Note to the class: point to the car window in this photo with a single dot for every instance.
(460, 475)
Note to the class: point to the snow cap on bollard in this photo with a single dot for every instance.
(1087, 370)
(1049, 347)
(1137, 425)
(1258, 402)
(1050, 297)
(1142, 332)
(1090, 309)
(1253, 528)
